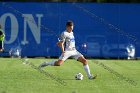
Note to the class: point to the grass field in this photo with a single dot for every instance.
(114, 76)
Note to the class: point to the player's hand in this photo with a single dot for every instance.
(63, 53)
(59, 44)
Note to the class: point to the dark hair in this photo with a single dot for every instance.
(69, 23)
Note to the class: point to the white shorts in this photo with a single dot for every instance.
(74, 53)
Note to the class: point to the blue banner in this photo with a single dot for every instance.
(101, 30)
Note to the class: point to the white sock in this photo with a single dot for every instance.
(51, 63)
(86, 67)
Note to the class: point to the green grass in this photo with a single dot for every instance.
(16, 77)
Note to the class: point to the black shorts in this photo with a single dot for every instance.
(1, 44)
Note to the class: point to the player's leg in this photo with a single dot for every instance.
(52, 63)
(1, 46)
(81, 58)
(60, 61)
(86, 67)
(85, 64)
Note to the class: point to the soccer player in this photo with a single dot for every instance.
(69, 50)
(2, 36)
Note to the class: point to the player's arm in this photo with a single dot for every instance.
(61, 45)
(61, 41)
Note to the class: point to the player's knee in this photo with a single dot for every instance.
(58, 63)
(85, 62)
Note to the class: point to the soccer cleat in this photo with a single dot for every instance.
(43, 64)
(92, 77)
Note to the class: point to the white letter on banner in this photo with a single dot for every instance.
(35, 28)
(13, 28)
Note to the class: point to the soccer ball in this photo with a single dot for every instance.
(79, 76)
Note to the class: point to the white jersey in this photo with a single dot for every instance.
(69, 39)
(70, 50)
